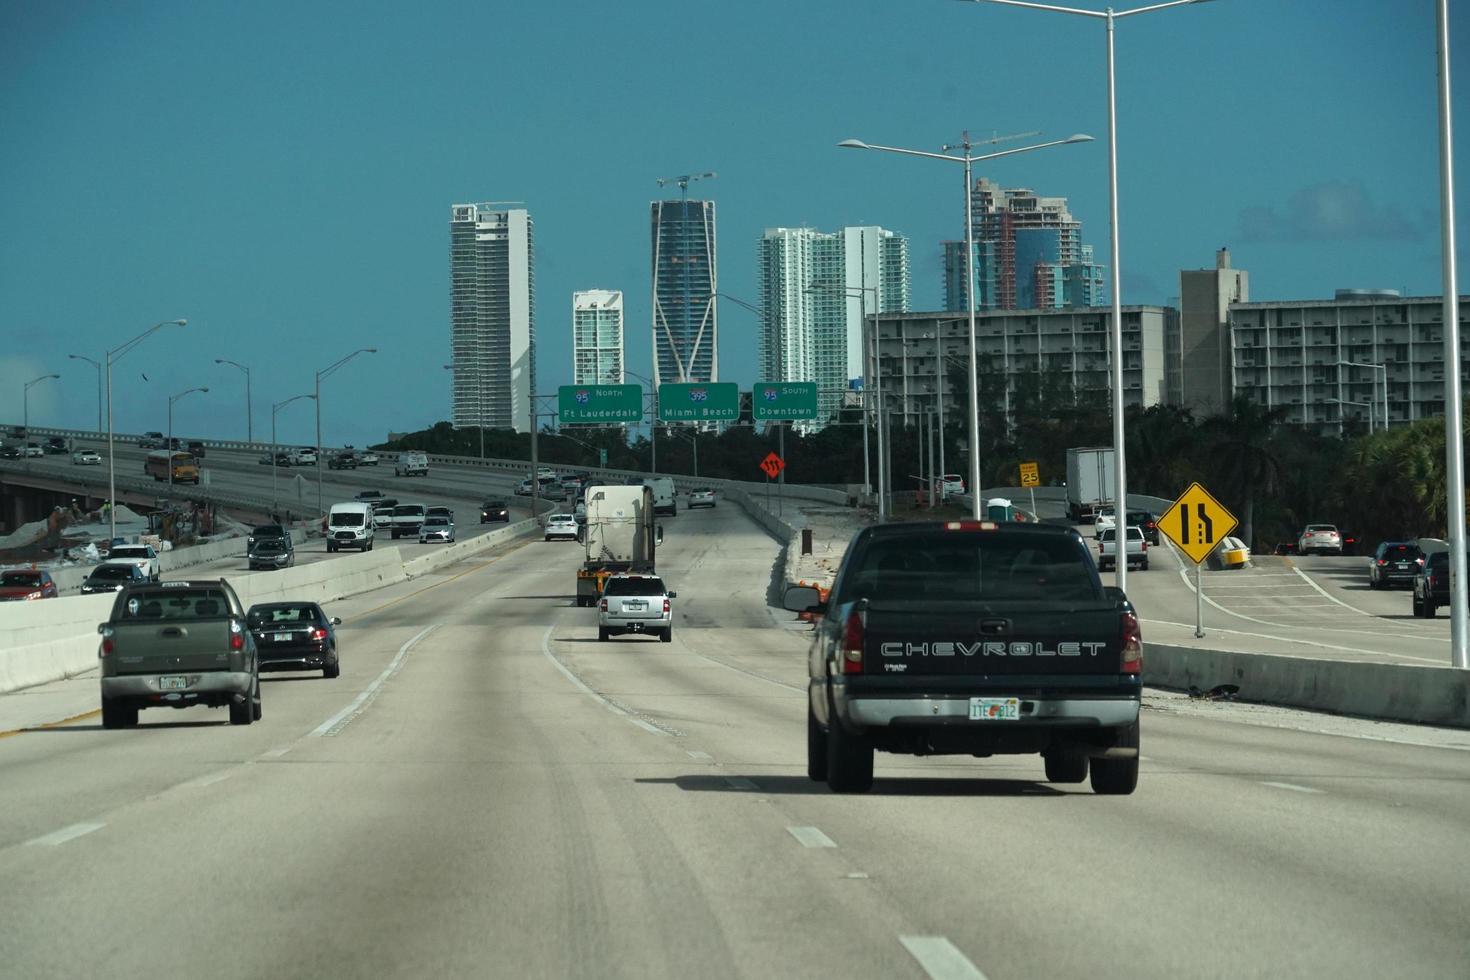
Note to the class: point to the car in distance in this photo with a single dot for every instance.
(86, 457)
(369, 496)
(494, 510)
(439, 512)
(295, 636)
(195, 447)
(367, 458)
(1432, 584)
(1321, 539)
(411, 464)
(141, 555)
(34, 449)
(702, 497)
(151, 440)
(113, 577)
(11, 452)
(22, 584)
(1135, 548)
(55, 446)
(1395, 563)
(263, 531)
(176, 645)
(303, 456)
(350, 525)
(271, 553)
(562, 526)
(1143, 519)
(407, 518)
(343, 461)
(436, 527)
(635, 604)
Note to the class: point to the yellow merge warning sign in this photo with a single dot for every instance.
(1197, 522)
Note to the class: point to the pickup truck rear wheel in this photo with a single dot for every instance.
(116, 715)
(244, 712)
(667, 636)
(1429, 608)
(849, 761)
(1117, 777)
(1065, 766)
(602, 634)
(816, 748)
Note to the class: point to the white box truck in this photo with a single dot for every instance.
(1090, 483)
(619, 536)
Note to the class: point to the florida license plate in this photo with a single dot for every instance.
(282, 637)
(173, 683)
(995, 709)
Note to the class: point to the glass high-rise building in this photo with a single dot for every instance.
(597, 337)
(686, 332)
(492, 316)
(814, 288)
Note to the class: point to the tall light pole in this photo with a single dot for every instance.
(274, 409)
(1120, 468)
(170, 443)
(318, 399)
(876, 392)
(26, 399)
(967, 158)
(112, 356)
(249, 423)
(653, 418)
(98, 366)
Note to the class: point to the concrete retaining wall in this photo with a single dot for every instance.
(1389, 692)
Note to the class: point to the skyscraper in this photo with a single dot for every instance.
(1028, 254)
(813, 288)
(597, 337)
(492, 316)
(686, 332)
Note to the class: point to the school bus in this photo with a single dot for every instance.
(186, 470)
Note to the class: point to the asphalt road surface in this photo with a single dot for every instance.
(489, 791)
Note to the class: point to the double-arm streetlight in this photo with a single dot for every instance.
(26, 399)
(318, 399)
(1108, 16)
(170, 443)
(274, 409)
(98, 366)
(249, 424)
(112, 356)
(869, 347)
(967, 158)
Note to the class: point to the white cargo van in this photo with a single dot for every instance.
(350, 525)
(411, 464)
(663, 494)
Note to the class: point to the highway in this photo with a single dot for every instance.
(488, 791)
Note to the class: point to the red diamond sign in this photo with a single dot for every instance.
(772, 466)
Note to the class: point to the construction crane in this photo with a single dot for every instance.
(683, 181)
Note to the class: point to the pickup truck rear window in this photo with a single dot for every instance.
(634, 586)
(176, 603)
(960, 567)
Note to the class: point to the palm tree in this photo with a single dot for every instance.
(1243, 455)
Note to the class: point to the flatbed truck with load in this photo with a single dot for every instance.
(619, 536)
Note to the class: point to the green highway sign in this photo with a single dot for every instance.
(772, 401)
(600, 404)
(713, 401)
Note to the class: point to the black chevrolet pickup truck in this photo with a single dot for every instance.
(972, 638)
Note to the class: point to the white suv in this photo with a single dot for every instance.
(635, 604)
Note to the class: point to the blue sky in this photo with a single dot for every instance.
(281, 173)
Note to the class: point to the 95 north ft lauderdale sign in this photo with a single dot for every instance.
(600, 403)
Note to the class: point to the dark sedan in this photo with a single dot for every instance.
(11, 452)
(113, 577)
(271, 553)
(494, 510)
(295, 636)
(1395, 563)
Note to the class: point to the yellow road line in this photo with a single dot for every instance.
(52, 724)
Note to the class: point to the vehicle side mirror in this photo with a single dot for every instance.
(673, 595)
(336, 621)
(658, 534)
(1113, 592)
(101, 629)
(803, 598)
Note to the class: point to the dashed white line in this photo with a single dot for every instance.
(700, 756)
(811, 837)
(338, 721)
(1293, 787)
(940, 958)
(58, 837)
(275, 753)
(209, 780)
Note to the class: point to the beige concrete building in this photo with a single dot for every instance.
(1202, 360)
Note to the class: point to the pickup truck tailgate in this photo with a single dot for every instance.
(168, 629)
(966, 638)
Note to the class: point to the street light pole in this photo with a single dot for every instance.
(170, 439)
(26, 399)
(274, 409)
(249, 424)
(113, 355)
(98, 366)
(967, 158)
(1120, 466)
(870, 356)
(318, 399)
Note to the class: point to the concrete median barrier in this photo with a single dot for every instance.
(1426, 695)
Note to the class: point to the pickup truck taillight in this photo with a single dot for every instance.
(107, 644)
(666, 607)
(1132, 660)
(852, 643)
(237, 636)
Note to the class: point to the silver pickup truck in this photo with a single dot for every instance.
(1135, 545)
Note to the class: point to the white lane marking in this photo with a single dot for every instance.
(335, 723)
(701, 756)
(1293, 787)
(577, 683)
(1299, 642)
(58, 837)
(811, 837)
(209, 780)
(739, 782)
(276, 753)
(856, 874)
(940, 958)
(1307, 579)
